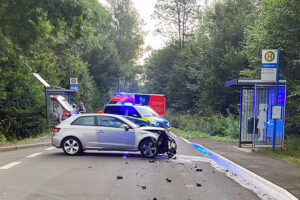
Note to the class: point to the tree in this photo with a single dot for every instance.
(276, 28)
(128, 37)
(176, 17)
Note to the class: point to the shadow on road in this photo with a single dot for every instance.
(107, 154)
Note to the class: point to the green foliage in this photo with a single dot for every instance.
(290, 152)
(227, 45)
(276, 28)
(216, 125)
(58, 39)
(198, 134)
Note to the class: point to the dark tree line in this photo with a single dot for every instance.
(60, 39)
(227, 44)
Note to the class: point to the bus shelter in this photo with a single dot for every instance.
(52, 106)
(258, 112)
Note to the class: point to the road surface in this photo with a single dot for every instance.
(46, 173)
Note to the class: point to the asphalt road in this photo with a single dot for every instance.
(47, 173)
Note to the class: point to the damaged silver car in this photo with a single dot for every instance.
(110, 132)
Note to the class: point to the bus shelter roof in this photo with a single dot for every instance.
(251, 82)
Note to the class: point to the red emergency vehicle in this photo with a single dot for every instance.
(156, 101)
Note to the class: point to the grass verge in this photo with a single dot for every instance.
(4, 141)
(290, 152)
(199, 134)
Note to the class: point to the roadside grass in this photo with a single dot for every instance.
(3, 140)
(199, 134)
(225, 128)
(290, 152)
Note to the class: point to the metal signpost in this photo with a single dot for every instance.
(270, 72)
(73, 83)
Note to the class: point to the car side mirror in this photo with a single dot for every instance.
(126, 127)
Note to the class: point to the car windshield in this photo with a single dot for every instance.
(146, 111)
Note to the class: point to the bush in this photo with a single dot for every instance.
(216, 125)
(2, 138)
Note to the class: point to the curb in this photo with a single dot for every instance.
(25, 146)
(262, 184)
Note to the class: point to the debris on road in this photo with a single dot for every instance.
(198, 184)
(151, 161)
(199, 170)
(189, 185)
(168, 180)
(142, 186)
(89, 167)
(119, 177)
(154, 198)
(126, 162)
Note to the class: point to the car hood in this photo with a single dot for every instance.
(160, 120)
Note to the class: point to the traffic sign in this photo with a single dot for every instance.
(74, 84)
(269, 56)
(270, 64)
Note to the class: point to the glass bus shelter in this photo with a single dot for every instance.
(258, 112)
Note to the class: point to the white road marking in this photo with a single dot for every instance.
(173, 134)
(33, 155)
(50, 148)
(10, 165)
(185, 140)
(185, 158)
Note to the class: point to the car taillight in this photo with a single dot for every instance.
(56, 130)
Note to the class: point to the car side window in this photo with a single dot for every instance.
(110, 122)
(133, 113)
(85, 121)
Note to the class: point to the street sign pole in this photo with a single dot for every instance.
(276, 102)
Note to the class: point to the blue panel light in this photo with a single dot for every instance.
(128, 104)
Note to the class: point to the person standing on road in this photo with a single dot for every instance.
(60, 113)
(82, 108)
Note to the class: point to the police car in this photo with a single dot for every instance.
(141, 115)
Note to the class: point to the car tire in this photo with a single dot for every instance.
(148, 148)
(72, 146)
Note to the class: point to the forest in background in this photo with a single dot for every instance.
(207, 46)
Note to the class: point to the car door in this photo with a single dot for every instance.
(111, 133)
(85, 128)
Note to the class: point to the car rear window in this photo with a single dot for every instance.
(85, 121)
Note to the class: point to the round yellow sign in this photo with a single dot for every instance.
(73, 80)
(269, 56)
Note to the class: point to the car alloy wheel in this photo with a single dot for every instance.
(71, 146)
(148, 148)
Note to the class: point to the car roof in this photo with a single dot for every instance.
(74, 117)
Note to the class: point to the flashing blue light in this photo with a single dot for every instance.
(117, 94)
(270, 123)
(157, 124)
(128, 104)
